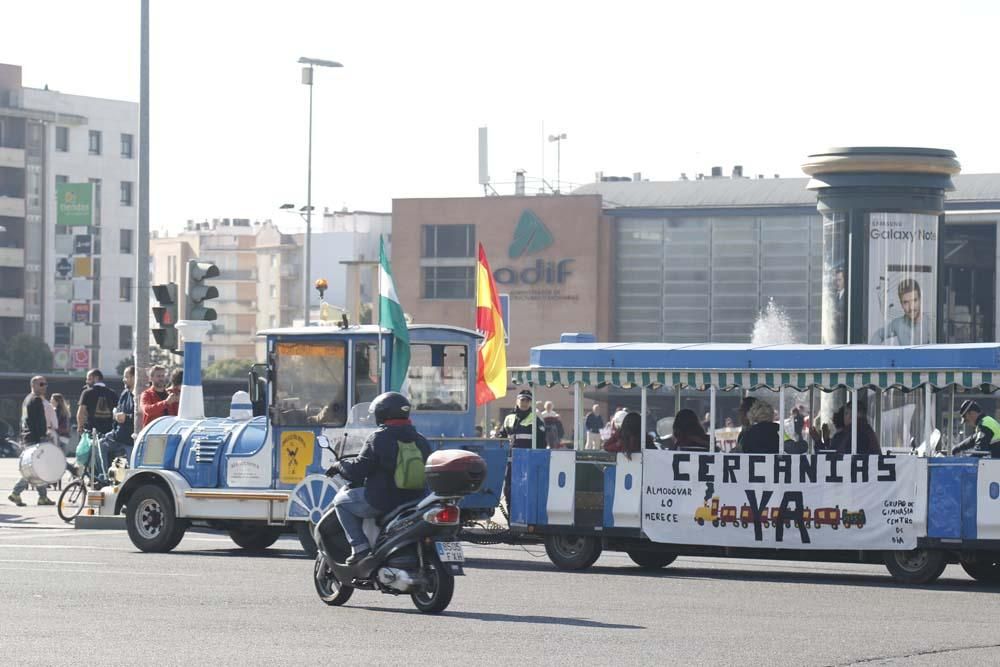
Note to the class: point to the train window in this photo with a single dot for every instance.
(310, 384)
(366, 386)
(439, 377)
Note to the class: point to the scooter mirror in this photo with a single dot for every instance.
(324, 442)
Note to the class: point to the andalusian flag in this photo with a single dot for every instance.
(491, 376)
(390, 316)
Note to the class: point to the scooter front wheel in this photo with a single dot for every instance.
(328, 587)
(436, 595)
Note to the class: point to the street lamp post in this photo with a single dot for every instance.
(558, 138)
(307, 79)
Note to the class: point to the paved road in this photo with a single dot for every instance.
(207, 603)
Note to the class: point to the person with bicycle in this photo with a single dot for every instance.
(38, 424)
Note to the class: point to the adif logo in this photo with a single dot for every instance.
(530, 236)
(69, 197)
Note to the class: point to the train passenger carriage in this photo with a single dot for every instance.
(912, 507)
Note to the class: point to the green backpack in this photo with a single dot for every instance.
(409, 467)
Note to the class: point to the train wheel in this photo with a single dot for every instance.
(701, 522)
(983, 566)
(255, 538)
(652, 560)
(716, 523)
(572, 552)
(920, 566)
(151, 520)
(304, 530)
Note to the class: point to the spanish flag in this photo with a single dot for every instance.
(491, 376)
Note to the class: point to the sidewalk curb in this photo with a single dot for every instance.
(99, 522)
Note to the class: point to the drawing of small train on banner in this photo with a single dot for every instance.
(728, 515)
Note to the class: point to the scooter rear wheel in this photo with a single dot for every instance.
(436, 597)
(328, 587)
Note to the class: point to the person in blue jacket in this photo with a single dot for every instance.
(375, 469)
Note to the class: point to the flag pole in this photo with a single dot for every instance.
(381, 350)
(475, 319)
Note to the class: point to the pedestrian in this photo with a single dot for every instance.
(96, 407)
(61, 407)
(38, 425)
(594, 423)
(521, 426)
(156, 401)
(554, 430)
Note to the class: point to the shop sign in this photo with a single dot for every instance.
(75, 204)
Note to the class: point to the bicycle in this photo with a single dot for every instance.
(74, 496)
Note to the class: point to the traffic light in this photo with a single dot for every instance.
(165, 313)
(198, 292)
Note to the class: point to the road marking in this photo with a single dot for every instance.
(140, 573)
(53, 562)
(77, 547)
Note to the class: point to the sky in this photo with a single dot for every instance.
(656, 87)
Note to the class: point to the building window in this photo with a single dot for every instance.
(62, 139)
(124, 289)
(126, 198)
(274, 292)
(448, 282)
(171, 268)
(127, 145)
(449, 241)
(62, 334)
(125, 244)
(95, 142)
(61, 179)
(125, 337)
(447, 261)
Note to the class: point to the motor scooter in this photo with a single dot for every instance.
(9, 448)
(414, 550)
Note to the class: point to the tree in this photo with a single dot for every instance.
(123, 364)
(227, 368)
(27, 354)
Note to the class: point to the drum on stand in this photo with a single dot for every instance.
(43, 464)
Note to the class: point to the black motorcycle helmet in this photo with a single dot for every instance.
(389, 405)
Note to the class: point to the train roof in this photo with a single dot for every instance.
(360, 329)
(733, 365)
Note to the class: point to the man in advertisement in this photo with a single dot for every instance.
(910, 328)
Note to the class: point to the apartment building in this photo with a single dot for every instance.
(71, 285)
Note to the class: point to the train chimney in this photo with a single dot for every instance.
(192, 395)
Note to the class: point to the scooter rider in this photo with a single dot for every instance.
(376, 466)
(986, 437)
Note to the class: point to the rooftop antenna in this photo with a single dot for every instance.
(484, 160)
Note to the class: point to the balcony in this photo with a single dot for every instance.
(11, 307)
(12, 157)
(11, 207)
(12, 258)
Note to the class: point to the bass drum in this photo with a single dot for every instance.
(43, 464)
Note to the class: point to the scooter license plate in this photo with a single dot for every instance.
(450, 552)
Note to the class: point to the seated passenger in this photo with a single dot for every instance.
(628, 438)
(689, 436)
(762, 436)
(867, 440)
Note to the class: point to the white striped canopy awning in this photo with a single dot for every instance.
(757, 379)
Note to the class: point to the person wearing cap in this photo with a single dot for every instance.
(520, 427)
(986, 437)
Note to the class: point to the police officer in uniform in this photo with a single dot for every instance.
(518, 427)
(986, 437)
